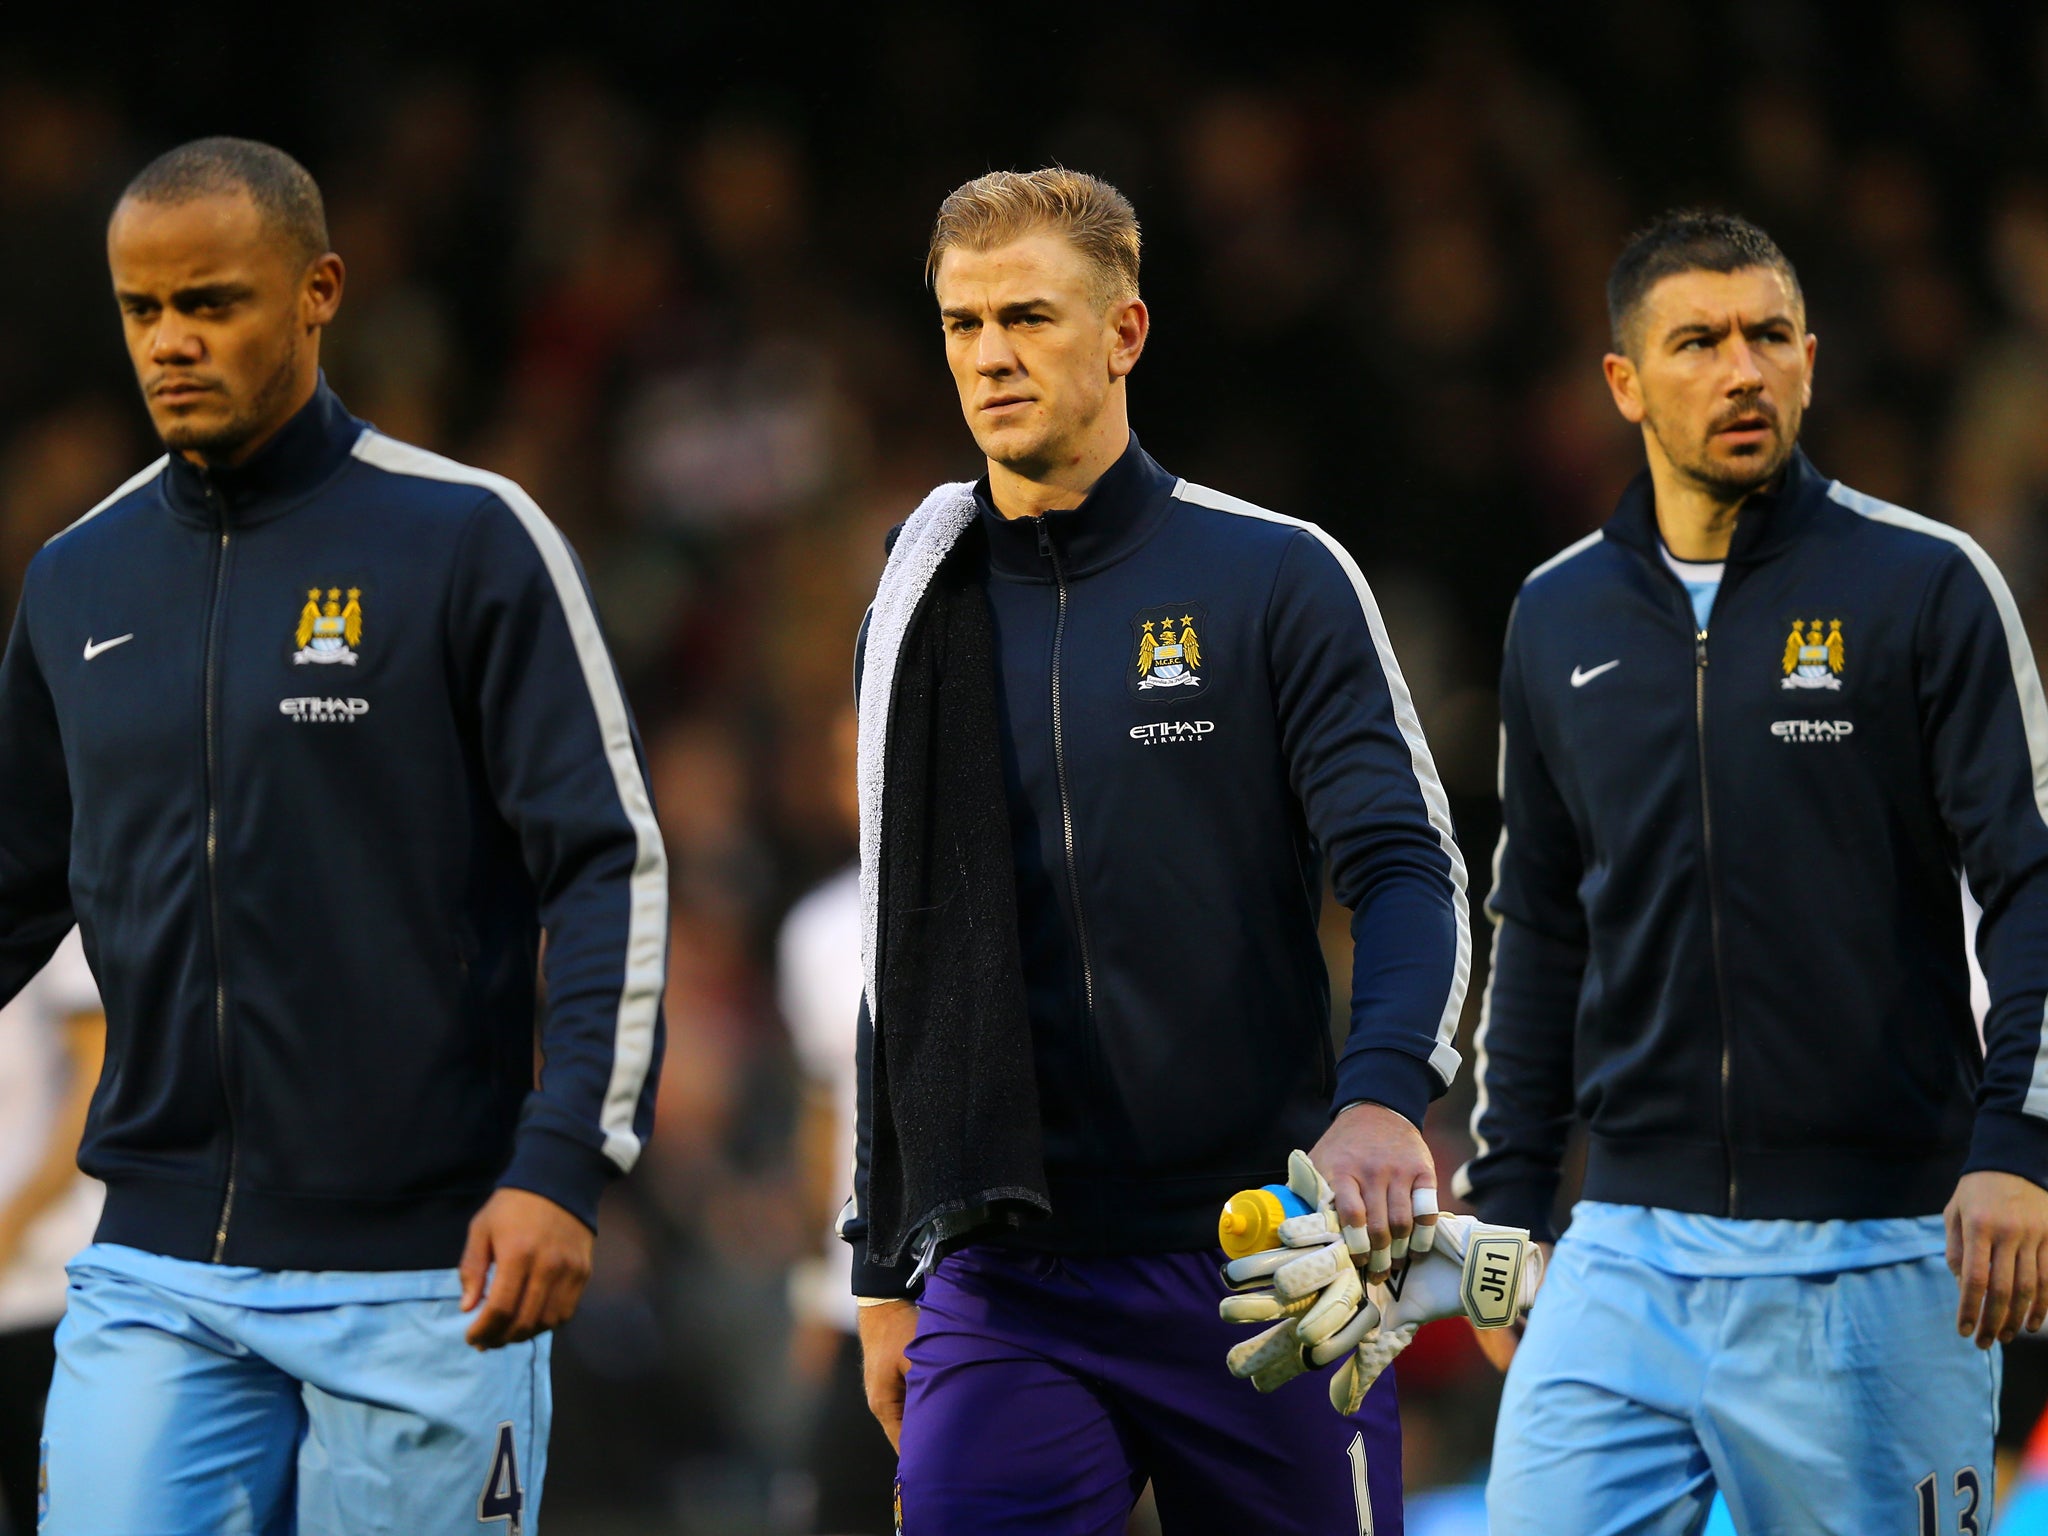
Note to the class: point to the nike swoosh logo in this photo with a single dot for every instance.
(92, 650)
(1580, 679)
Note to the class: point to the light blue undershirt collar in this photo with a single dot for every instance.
(1702, 580)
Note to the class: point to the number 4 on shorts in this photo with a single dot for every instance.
(502, 1498)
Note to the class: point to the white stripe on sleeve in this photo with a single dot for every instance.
(2026, 682)
(1461, 1181)
(647, 925)
(1444, 1057)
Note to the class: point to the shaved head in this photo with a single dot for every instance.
(285, 194)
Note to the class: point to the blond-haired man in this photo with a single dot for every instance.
(1113, 728)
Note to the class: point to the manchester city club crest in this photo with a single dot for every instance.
(1814, 655)
(329, 632)
(1166, 655)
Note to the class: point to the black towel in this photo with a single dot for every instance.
(956, 1141)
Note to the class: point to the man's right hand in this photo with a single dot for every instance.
(1499, 1344)
(886, 1329)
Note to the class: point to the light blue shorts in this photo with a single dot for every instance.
(204, 1400)
(1834, 1402)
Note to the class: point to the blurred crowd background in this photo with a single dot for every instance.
(663, 268)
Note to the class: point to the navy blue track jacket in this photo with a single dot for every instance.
(1200, 710)
(312, 749)
(1728, 925)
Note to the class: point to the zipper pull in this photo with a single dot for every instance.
(1700, 647)
(925, 1245)
(1044, 539)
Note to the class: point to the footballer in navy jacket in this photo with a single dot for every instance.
(314, 734)
(1199, 714)
(1756, 731)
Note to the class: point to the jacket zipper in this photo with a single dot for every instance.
(1699, 695)
(1059, 758)
(220, 988)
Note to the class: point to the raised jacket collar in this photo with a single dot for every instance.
(1122, 511)
(1767, 523)
(301, 458)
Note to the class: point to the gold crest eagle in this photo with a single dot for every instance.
(1146, 646)
(1190, 647)
(1815, 654)
(329, 630)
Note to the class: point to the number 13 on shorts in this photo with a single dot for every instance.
(1969, 1493)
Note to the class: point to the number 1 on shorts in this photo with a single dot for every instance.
(1361, 1490)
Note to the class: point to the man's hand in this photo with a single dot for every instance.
(1499, 1344)
(886, 1329)
(1375, 1160)
(537, 1259)
(1309, 1284)
(1998, 1252)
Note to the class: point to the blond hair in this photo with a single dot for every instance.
(1095, 218)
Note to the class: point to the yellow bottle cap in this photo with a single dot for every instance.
(1250, 1223)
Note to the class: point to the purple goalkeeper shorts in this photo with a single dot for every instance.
(1045, 1391)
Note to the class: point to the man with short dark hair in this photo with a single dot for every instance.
(314, 733)
(283, 192)
(1112, 726)
(1751, 730)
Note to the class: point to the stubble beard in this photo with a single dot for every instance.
(220, 441)
(1730, 482)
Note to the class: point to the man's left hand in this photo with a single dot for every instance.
(1375, 1159)
(1998, 1252)
(537, 1260)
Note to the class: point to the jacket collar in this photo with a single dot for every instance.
(1122, 511)
(1767, 523)
(301, 458)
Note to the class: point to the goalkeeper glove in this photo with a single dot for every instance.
(1310, 1290)
(1486, 1274)
(1308, 1287)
